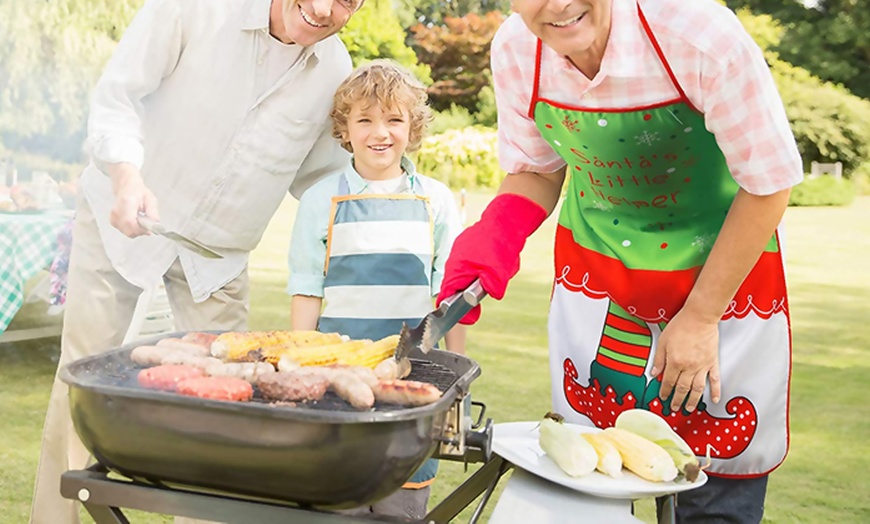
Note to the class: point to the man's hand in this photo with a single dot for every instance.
(688, 353)
(490, 249)
(131, 199)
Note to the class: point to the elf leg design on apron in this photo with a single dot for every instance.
(648, 193)
(378, 272)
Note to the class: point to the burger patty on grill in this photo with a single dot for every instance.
(291, 386)
(217, 388)
(167, 376)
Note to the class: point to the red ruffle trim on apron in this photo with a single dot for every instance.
(655, 295)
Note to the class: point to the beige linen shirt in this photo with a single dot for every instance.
(182, 98)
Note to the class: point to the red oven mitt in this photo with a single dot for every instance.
(490, 249)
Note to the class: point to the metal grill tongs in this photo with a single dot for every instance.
(436, 324)
(157, 228)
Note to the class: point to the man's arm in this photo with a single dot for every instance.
(689, 346)
(543, 188)
(147, 53)
(744, 111)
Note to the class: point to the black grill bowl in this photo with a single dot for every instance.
(325, 454)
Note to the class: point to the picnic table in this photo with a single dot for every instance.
(28, 244)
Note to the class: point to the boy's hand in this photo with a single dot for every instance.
(490, 249)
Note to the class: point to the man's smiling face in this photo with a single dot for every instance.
(570, 27)
(307, 22)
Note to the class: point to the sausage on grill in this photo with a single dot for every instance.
(292, 386)
(216, 388)
(156, 355)
(200, 339)
(150, 355)
(249, 371)
(167, 377)
(406, 392)
(365, 374)
(180, 357)
(391, 369)
(181, 345)
(351, 388)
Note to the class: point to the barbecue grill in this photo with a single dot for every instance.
(247, 462)
(323, 454)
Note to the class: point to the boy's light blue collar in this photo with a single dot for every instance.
(357, 184)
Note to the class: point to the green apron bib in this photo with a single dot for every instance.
(648, 192)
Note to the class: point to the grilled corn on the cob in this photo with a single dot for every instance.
(643, 457)
(235, 346)
(609, 459)
(353, 353)
(372, 354)
(325, 355)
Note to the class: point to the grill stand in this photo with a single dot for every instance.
(104, 497)
(461, 440)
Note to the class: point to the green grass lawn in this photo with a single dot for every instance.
(826, 478)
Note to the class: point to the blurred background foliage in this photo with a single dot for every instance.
(52, 52)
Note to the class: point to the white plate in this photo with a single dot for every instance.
(517, 442)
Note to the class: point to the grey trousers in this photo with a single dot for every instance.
(722, 501)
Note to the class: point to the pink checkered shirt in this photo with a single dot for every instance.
(717, 64)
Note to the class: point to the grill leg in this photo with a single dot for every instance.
(484, 479)
(668, 512)
(105, 514)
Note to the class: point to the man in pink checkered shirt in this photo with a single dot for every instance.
(669, 291)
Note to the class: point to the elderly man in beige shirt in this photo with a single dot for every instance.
(206, 115)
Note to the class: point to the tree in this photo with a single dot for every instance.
(375, 32)
(829, 123)
(831, 40)
(51, 53)
(433, 12)
(458, 55)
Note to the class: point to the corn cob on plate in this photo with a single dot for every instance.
(518, 443)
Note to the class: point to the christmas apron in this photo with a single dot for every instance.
(647, 195)
(376, 241)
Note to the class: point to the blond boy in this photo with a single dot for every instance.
(369, 244)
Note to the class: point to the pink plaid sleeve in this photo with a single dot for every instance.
(744, 111)
(520, 145)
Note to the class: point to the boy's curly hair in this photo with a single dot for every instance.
(389, 85)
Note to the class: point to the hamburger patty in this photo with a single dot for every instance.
(167, 377)
(217, 388)
(292, 386)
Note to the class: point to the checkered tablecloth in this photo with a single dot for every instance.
(28, 243)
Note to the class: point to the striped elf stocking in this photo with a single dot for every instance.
(623, 353)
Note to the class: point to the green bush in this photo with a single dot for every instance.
(487, 112)
(461, 158)
(375, 32)
(456, 117)
(822, 191)
(829, 123)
